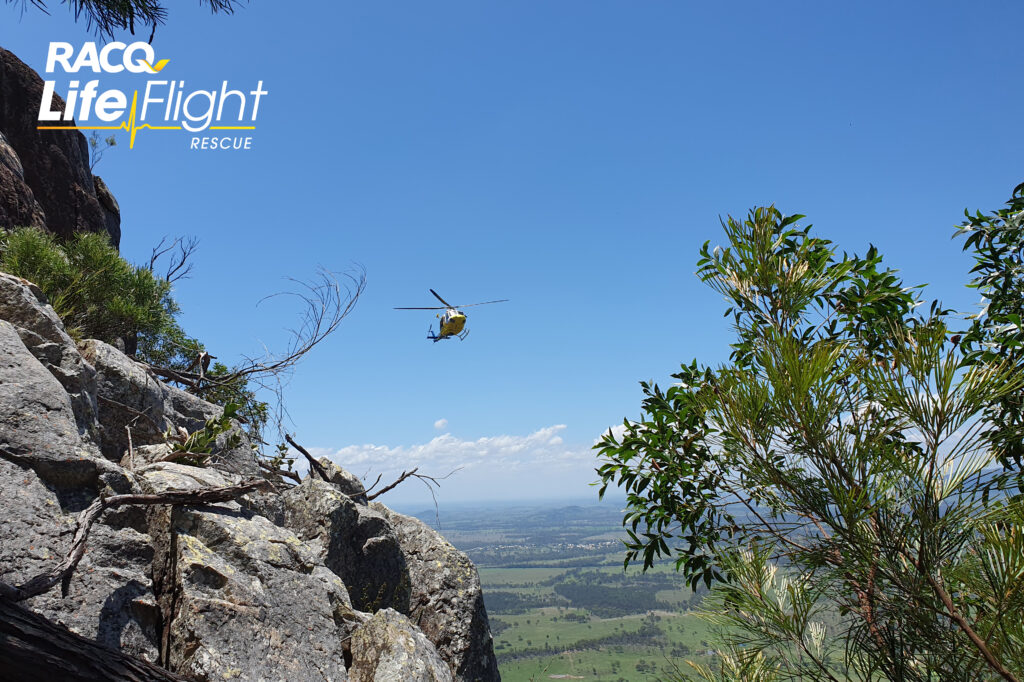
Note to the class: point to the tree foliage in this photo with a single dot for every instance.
(996, 333)
(840, 464)
(99, 295)
(108, 16)
(95, 292)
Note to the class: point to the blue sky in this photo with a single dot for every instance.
(569, 156)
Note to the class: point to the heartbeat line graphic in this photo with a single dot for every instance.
(131, 128)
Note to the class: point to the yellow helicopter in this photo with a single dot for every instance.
(453, 320)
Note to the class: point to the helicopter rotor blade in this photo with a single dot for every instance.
(437, 307)
(470, 305)
(438, 297)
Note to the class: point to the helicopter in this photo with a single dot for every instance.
(453, 320)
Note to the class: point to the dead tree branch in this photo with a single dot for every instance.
(374, 484)
(131, 410)
(64, 570)
(313, 464)
(327, 302)
(405, 475)
(33, 648)
(179, 266)
(427, 480)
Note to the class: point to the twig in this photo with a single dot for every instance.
(128, 408)
(327, 303)
(178, 267)
(313, 464)
(131, 450)
(178, 454)
(405, 475)
(280, 472)
(64, 570)
(367, 490)
(427, 480)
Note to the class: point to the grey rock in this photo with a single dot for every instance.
(354, 541)
(109, 598)
(447, 600)
(9, 159)
(143, 455)
(24, 305)
(345, 481)
(37, 422)
(130, 396)
(243, 598)
(388, 648)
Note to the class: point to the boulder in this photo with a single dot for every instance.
(446, 601)
(352, 540)
(55, 163)
(109, 598)
(129, 395)
(345, 481)
(37, 422)
(242, 598)
(388, 648)
(24, 305)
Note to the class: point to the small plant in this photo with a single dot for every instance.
(98, 147)
(196, 448)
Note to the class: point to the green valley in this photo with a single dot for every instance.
(559, 602)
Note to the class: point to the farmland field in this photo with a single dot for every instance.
(559, 602)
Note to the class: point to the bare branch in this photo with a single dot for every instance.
(405, 475)
(428, 480)
(374, 483)
(313, 464)
(131, 448)
(179, 266)
(132, 410)
(64, 570)
(327, 302)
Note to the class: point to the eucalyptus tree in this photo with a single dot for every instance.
(838, 480)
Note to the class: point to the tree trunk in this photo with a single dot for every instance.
(32, 649)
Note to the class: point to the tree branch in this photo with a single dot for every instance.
(64, 570)
(405, 475)
(34, 648)
(978, 642)
(428, 480)
(313, 464)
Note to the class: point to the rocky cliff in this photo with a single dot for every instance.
(45, 179)
(306, 582)
(295, 582)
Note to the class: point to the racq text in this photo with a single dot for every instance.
(221, 143)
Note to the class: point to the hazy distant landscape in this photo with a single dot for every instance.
(559, 602)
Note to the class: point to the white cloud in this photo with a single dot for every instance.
(505, 466)
(617, 431)
(440, 424)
